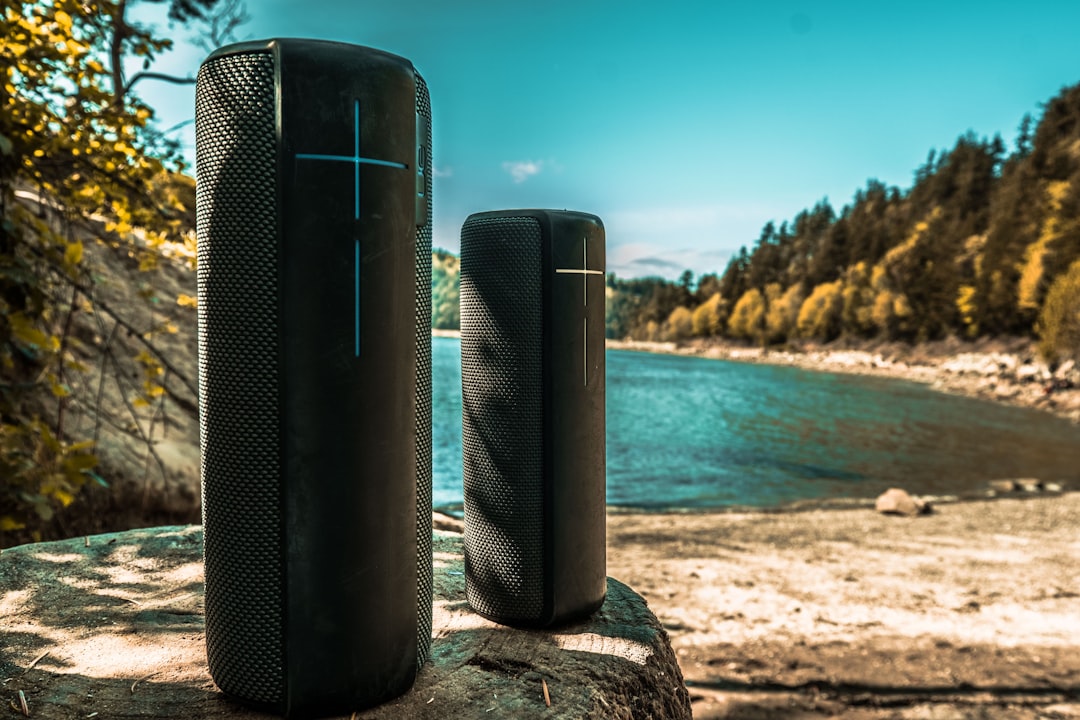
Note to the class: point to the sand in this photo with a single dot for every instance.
(971, 611)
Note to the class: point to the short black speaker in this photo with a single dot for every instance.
(532, 374)
(314, 263)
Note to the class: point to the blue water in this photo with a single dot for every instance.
(695, 433)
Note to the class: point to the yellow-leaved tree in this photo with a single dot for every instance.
(80, 162)
(1059, 321)
(747, 319)
(709, 317)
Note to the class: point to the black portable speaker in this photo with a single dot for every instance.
(532, 374)
(314, 262)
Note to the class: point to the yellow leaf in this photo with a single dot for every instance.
(187, 301)
(60, 390)
(8, 523)
(26, 333)
(46, 435)
(63, 496)
(74, 253)
(140, 402)
(82, 445)
(78, 463)
(171, 328)
(147, 262)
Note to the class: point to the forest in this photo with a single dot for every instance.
(986, 242)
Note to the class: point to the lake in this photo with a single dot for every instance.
(686, 432)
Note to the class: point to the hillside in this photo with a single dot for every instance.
(984, 243)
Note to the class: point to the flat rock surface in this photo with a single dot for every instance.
(112, 627)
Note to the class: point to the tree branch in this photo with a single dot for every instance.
(175, 79)
(134, 332)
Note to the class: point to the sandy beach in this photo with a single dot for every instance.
(971, 611)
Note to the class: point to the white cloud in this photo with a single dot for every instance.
(695, 218)
(664, 240)
(522, 170)
(441, 172)
(639, 259)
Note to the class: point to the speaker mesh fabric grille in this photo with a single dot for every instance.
(501, 354)
(423, 400)
(238, 375)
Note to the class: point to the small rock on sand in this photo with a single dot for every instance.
(895, 501)
(1003, 486)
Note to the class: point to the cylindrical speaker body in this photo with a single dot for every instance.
(314, 262)
(532, 369)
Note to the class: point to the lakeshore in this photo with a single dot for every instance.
(1006, 370)
(1002, 370)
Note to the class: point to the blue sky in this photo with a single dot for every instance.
(685, 126)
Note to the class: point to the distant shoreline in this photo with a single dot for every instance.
(1005, 370)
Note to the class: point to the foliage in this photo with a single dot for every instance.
(747, 319)
(782, 315)
(1059, 322)
(445, 291)
(638, 308)
(710, 317)
(680, 324)
(1032, 283)
(80, 162)
(856, 316)
(47, 470)
(819, 316)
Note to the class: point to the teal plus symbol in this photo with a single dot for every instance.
(357, 160)
(584, 271)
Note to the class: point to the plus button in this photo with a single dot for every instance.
(585, 271)
(357, 160)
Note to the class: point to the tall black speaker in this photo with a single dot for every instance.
(532, 373)
(314, 262)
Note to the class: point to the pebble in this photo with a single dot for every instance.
(895, 501)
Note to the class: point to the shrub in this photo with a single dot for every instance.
(1059, 322)
(748, 318)
(819, 316)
